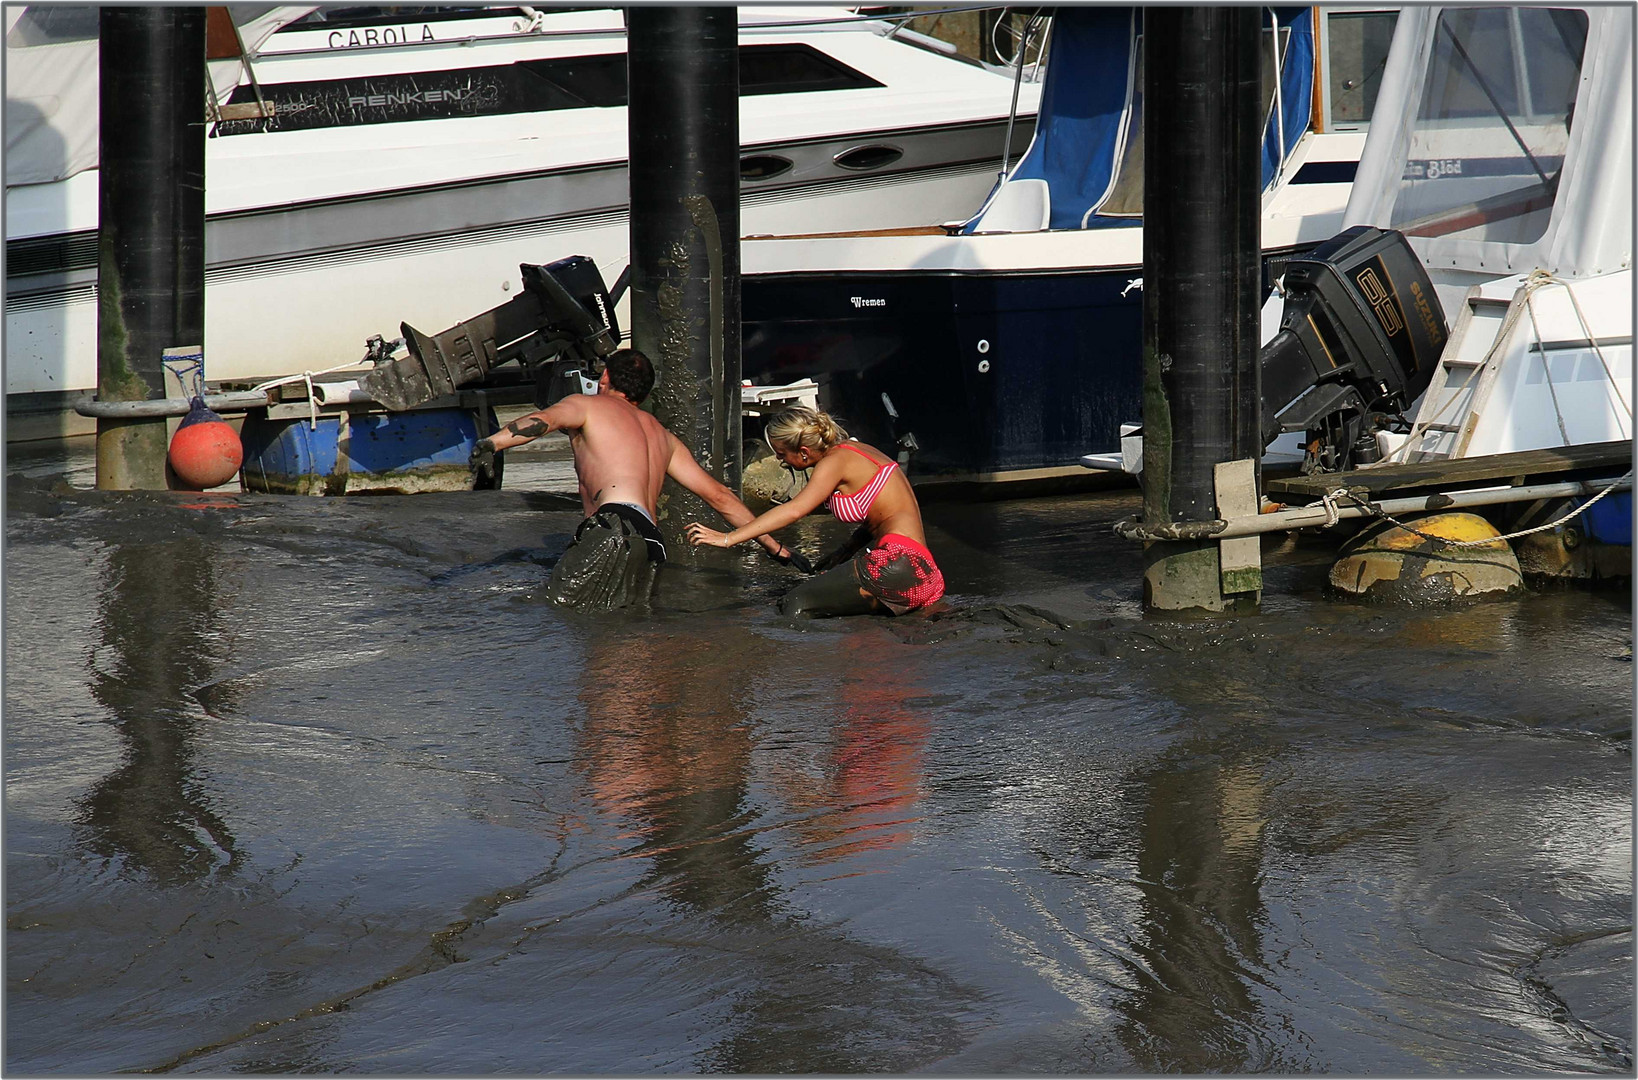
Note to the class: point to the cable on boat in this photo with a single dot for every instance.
(1017, 84)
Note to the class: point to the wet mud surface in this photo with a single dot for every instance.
(323, 785)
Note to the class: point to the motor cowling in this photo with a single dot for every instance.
(559, 328)
(1361, 333)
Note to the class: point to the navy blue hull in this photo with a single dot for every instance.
(990, 373)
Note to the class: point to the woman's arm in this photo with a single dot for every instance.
(682, 468)
(827, 475)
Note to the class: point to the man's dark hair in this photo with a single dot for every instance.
(630, 373)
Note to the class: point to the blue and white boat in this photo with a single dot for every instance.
(1008, 344)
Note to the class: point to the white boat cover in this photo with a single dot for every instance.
(1589, 229)
(52, 83)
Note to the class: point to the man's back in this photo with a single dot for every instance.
(620, 454)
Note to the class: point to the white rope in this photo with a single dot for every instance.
(1598, 351)
(1332, 514)
(1344, 493)
(1546, 368)
(307, 378)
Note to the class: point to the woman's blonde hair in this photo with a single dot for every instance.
(799, 426)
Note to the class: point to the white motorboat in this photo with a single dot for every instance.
(366, 169)
(1501, 150)
(1009, 342)
(1504, 154)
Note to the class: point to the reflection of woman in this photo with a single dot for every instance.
(894, 572)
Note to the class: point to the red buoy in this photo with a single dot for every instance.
(205, 450)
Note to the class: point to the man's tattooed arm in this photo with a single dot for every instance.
(521, 430)
(529, 427)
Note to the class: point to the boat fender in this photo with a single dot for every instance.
(205, 451)
(1397, 565)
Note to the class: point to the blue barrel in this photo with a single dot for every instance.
(378, 452)
(1609, 521)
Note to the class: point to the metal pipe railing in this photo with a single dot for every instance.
(1323, 514)
(148, 408)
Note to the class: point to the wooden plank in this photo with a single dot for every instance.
(1240, 559)
(247, 110)
(1559, 462)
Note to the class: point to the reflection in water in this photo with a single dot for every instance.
(1485, 625)
(667, 748)
(866, 799)
(1199, 859)
(152, 812)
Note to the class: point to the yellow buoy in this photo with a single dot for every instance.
(1386, 562)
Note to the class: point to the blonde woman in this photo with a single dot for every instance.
(894, 572)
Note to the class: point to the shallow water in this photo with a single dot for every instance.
(324, 785)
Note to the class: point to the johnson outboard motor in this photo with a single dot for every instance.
(1361, 333)
(559, 329)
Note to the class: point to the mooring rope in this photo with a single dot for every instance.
(304, 377)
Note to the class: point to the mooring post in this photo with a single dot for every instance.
(151, 223)
(683, 72)
(1202, 293)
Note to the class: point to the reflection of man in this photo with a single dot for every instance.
(622, 456)
(667, 750)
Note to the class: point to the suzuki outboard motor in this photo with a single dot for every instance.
(1361, 333)
(559, 328)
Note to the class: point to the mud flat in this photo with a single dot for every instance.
(305, 784)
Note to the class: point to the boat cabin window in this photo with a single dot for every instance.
(1356, 50)
(1492, 125)
(524, 87)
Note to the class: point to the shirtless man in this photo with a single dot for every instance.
(622, 456)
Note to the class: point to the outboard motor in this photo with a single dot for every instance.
(1358, 342)
(558, 328)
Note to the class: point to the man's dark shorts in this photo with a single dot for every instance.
(611, 562)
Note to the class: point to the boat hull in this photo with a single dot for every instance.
(996, 373)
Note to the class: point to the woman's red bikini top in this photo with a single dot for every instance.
(856, 507)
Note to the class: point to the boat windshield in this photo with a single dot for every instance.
(54, 24)
(1494, 119)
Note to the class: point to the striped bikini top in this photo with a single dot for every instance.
(856, 507)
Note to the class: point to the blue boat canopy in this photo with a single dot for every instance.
(1084, 168)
